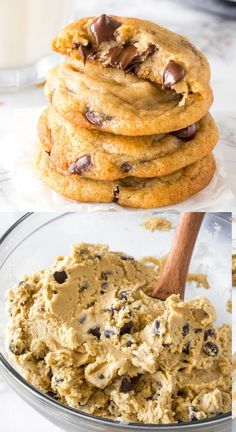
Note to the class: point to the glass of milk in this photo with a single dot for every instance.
(27, 28)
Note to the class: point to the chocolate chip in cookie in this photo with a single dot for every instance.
(60, 276)
(103, 28)
(187, 133)
(96, 118)
(126, 167)
(116, 194)
(87, 52)
(126, 328)
(126, 258)
(95, 331)
(209, 333)
(83, 164)
(123, 57)
(173, 73)
(211, 349)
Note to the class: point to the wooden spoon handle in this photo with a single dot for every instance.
(173, 278)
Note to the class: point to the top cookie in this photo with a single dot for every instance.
(146, 51)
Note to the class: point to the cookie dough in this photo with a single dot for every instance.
(94, 97)
(138, 72)
(132, 191)
(157, 223)
(104, 156)
(86, 332)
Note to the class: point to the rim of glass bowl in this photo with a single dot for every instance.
(80, 414)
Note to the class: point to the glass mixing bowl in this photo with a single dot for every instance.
(35, 240)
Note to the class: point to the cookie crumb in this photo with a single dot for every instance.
(40, 84)
(157, 224)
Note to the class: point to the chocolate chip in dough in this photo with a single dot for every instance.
(192, 413)
(95, 331)
(126, 167)
(186, 349)
(16, 350)
(209, 332)
(126, 385)
(187, 133)
(211, 349)
(129, 343)
(103, 28)
(198, 330)
(123, 295)
(126, 328)
(185, 329)
(157, 328)
(173, 73)
(96, 118)
(108, 333)
(83, 164)
(60, 276)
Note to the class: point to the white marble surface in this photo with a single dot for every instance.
(214, 35)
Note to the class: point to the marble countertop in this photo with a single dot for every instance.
(213, 34)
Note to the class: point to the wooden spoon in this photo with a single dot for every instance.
(173, 278)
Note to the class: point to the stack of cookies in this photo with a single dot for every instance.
(128, 117)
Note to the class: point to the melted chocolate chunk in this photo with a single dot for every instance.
(96, 118)
(124, 57)
(209, 332)
(103, 28)
(173, 73)
(157, 328)
(108, 333)
(60, 276)
(185, 330)
(95, 331)
(83, 164)
(187, 133)
(87, 52)
(211, 349)
(116, 194)
(126, 385)
(126, 328)
(126, 167)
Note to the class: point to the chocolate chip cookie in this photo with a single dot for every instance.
(131, 191)
(97, 97)
(105, 156)
(129, 75)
